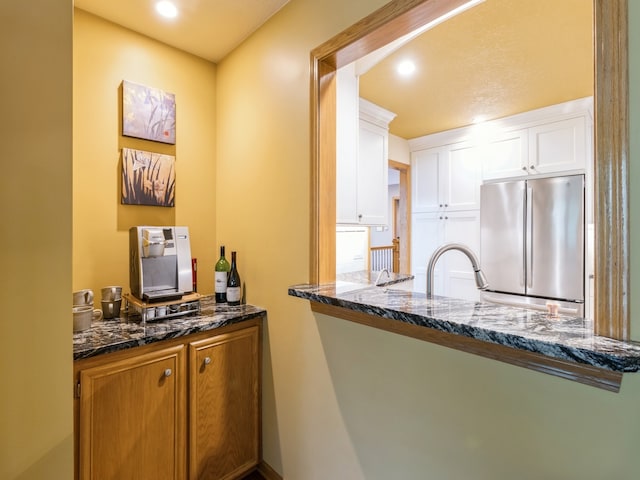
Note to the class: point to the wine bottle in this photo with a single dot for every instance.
(233, 283)
(221, 273)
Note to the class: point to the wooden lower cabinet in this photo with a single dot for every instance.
(224, 405)
(183, 408)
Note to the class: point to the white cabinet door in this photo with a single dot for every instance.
(373, 167)
(446, 178)
(425, 172)
(426, 235)
(458, 280)
(346, 145)
(461, 177)
(506, 155)
(558, 146)
(453, 274)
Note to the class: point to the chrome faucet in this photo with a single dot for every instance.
(384, 270)
(481, 280)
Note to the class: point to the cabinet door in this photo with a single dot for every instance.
(346, 144)
(558, 146)
(427, 235)
(132, 418)
(461, 177)
(373, 168)
(506, 155)
(224, 405)
(458, 276)
(425, 171)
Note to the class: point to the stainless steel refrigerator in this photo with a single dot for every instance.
(532, 245)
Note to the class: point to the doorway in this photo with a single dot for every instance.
(401, 213)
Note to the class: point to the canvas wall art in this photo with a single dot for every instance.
(148, 113)
(148, 178)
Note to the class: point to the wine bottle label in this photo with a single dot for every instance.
(233, 294)
(220, 282)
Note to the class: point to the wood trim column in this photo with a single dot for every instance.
(323, 173)
(611, 169)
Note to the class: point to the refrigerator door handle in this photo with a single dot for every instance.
(529, 238)
(523, 213)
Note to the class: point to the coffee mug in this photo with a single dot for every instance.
(83, 297)
(83, 315)
(150, 313)
(111, 293)
(161, 311)
(111, 308)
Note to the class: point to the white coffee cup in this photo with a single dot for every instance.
(150, 313)
(83, 297)
(83, 315)
(161, 311)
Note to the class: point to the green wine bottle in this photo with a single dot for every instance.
(221, 273)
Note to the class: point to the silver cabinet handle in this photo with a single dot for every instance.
(532, 167)
(524, 168)
(446, 205)
(167, 372)
(207, 360)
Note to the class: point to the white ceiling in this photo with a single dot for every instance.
(207, 28)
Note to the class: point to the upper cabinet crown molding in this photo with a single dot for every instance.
(531, 118)
(375, 114)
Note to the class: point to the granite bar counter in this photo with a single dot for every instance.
(107, 336)
(366, 277)
(561, 345)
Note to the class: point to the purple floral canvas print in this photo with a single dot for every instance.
(148, 113)
(148, 178)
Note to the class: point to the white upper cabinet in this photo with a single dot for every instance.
(446, 178)
(426, 166)
(548, 140)
(506, 155)
(558, 146)
(462, 178)
(346, 145)
(372, 185)
(362, 146)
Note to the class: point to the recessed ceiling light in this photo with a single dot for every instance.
(166, 9)
(406, 68)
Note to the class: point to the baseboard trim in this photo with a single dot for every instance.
(267, 472)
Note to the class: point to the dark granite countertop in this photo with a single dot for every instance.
(370, 277)
(107, 336)
(561, 337)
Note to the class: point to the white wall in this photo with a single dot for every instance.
(399, 150)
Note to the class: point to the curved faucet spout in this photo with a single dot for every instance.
(481, 280)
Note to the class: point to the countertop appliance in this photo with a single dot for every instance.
(532, 242)
(159, 263)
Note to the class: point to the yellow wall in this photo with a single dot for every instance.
(104, 54)
(35, 244)
(350, 402)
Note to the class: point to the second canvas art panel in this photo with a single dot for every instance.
(148, 178)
